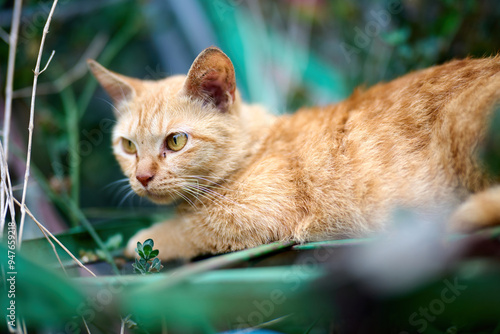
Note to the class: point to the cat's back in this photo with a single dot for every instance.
(408, 141)
(409, 105)
(444, 108)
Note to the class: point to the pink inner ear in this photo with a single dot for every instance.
(215, 86)
(215, 92)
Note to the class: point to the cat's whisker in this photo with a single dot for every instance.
(116, 183)
(118, 195)
(217, 182)
(212, 184)
(121, 192)
(181, 195)
(212, 190)
(215, 194)
(217, 201)
(196, 191)
(198, 195)
(195, 194)
(211, 195)
(124, 98)
(127, 196)
(112, 106)
(169, 193)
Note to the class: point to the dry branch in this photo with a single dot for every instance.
(14, 31)
(32, 116)
(75, 73)
(11, 62)
(47, 232)
(7, 189)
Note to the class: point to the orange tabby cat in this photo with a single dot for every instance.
(246, 178)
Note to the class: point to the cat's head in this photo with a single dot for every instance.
(178, 135)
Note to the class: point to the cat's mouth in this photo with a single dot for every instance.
(154, 195)
(158, 198)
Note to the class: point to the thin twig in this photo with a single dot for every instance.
(3, 174)
(54, 249)
(44, 229)
(86, 326)
(31, 122)
(75, 73)
(7, 190)
(11, 63)
(14, 31)
(48, 62)
(25, 330)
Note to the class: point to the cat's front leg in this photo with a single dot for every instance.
(173, 238)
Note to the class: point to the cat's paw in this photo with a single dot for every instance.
(168, 238)
(480, 210)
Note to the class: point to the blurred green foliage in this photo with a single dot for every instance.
(286, 53)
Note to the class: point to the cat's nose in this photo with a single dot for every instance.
(144, 178)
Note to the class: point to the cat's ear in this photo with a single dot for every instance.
(211, 78)
(119, 87)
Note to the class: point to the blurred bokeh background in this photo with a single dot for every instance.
(287, 54)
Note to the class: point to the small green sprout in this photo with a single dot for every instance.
(148, 261)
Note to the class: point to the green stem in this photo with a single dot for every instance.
(67, 205)
(73, 132)
(88, 226)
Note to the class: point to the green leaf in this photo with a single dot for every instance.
(100, 254)
(449, 23)
(147, 268)
(147, 251)
(114, 242)
(131, 324)
(156, 265)
(141, 254)
(154, 254)
(149, 242)
(397, 36)
(137, 268)
(140, 266)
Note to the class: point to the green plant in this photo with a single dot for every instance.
(148, 261)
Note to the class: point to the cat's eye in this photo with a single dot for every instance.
(177, 141)
(128, 146)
